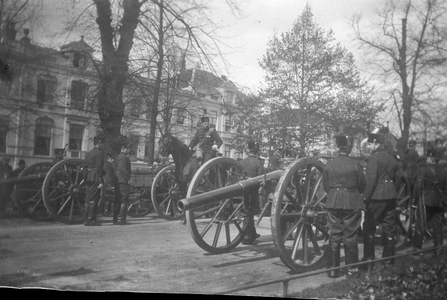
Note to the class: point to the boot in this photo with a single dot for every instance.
(334, 260)
(122, 214)
(368, 249)
(351, 257)
(389, 250)
(438, 241)
(87, 213)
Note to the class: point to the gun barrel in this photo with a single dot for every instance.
(235, 190)
(23, 179)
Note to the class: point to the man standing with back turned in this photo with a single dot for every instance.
(380, 197)
(95, 164)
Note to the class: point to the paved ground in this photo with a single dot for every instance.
(150, 255)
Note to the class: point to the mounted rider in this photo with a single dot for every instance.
(208, 140)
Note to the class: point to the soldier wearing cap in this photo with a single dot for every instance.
(380, 197)
(94, 180)
(6, 188)
(58, 155)
(123, 173)
(208, 140)
(344, 182)
(431, 180)
(253, 167)
(21, 166)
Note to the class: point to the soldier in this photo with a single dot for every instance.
(275, 161)
(123, 172)
(380, 197)
(208, 140)
(21, 166)
(111, 181)
(5, 188)
(95, 164)
(431, 180)
(344, 182)
(410, 162)
(253, 167)
(58, 155)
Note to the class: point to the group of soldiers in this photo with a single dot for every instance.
(351, 191)
(115, 172)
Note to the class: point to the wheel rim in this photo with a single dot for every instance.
(140, 203)
(64, 190)
(404, 213)
(165, 194)
(217, 227)
(299, 221)
(28, 196)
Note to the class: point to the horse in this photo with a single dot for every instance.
(186, 164)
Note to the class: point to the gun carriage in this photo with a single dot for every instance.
(298, 215)
(47, 191)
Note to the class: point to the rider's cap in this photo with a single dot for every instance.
(205, 119)
(343, 141)
(98, 139)
(21, 162)
(376, 138)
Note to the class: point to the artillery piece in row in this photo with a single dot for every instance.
(216, 205)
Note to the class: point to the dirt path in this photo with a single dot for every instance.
(150, 255)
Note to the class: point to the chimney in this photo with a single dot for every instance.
(25, 40)
(10, 34)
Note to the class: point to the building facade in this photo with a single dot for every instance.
(47, 102)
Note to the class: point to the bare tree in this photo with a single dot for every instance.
(406, 51)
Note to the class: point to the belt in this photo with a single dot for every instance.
(387, 180)
(343, 189)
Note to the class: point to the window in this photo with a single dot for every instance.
(228, 123)
(135, 107)
(78, 94)
(213, 118)
(4, 126)
(75, 139)
(180, 116)
(134, 140)
(42, 136)
(46, 87)
(229, 97)
(227, 150)
(78, 60)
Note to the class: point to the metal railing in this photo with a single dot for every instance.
(285, 281)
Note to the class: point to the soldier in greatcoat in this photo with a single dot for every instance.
(344, 181)
(253, 167)
(123, 173)
(380, 197)
(430, 183)
(208, 140)
(94, 181)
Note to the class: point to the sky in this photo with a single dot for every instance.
(262, 18)
(247, 35)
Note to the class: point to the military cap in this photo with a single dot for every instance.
(109, 155)
(21, 162)
(98, 139)
(412, 143)
(376, 138)
(343, 141)
(253, 146)
(205, 119)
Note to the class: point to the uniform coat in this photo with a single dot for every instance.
(252, 165)
(95, 164)
(206, 138)
(381, 170)
(123, 168)
(344, 181)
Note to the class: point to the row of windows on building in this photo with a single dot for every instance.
(46, 90)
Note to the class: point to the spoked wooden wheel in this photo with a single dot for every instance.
(220, 226)
(139, 203)
(405, 214)
(28, 194)
(64, 190)
(165, 194)
(299, 218)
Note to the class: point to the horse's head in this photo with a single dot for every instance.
(165, 145)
